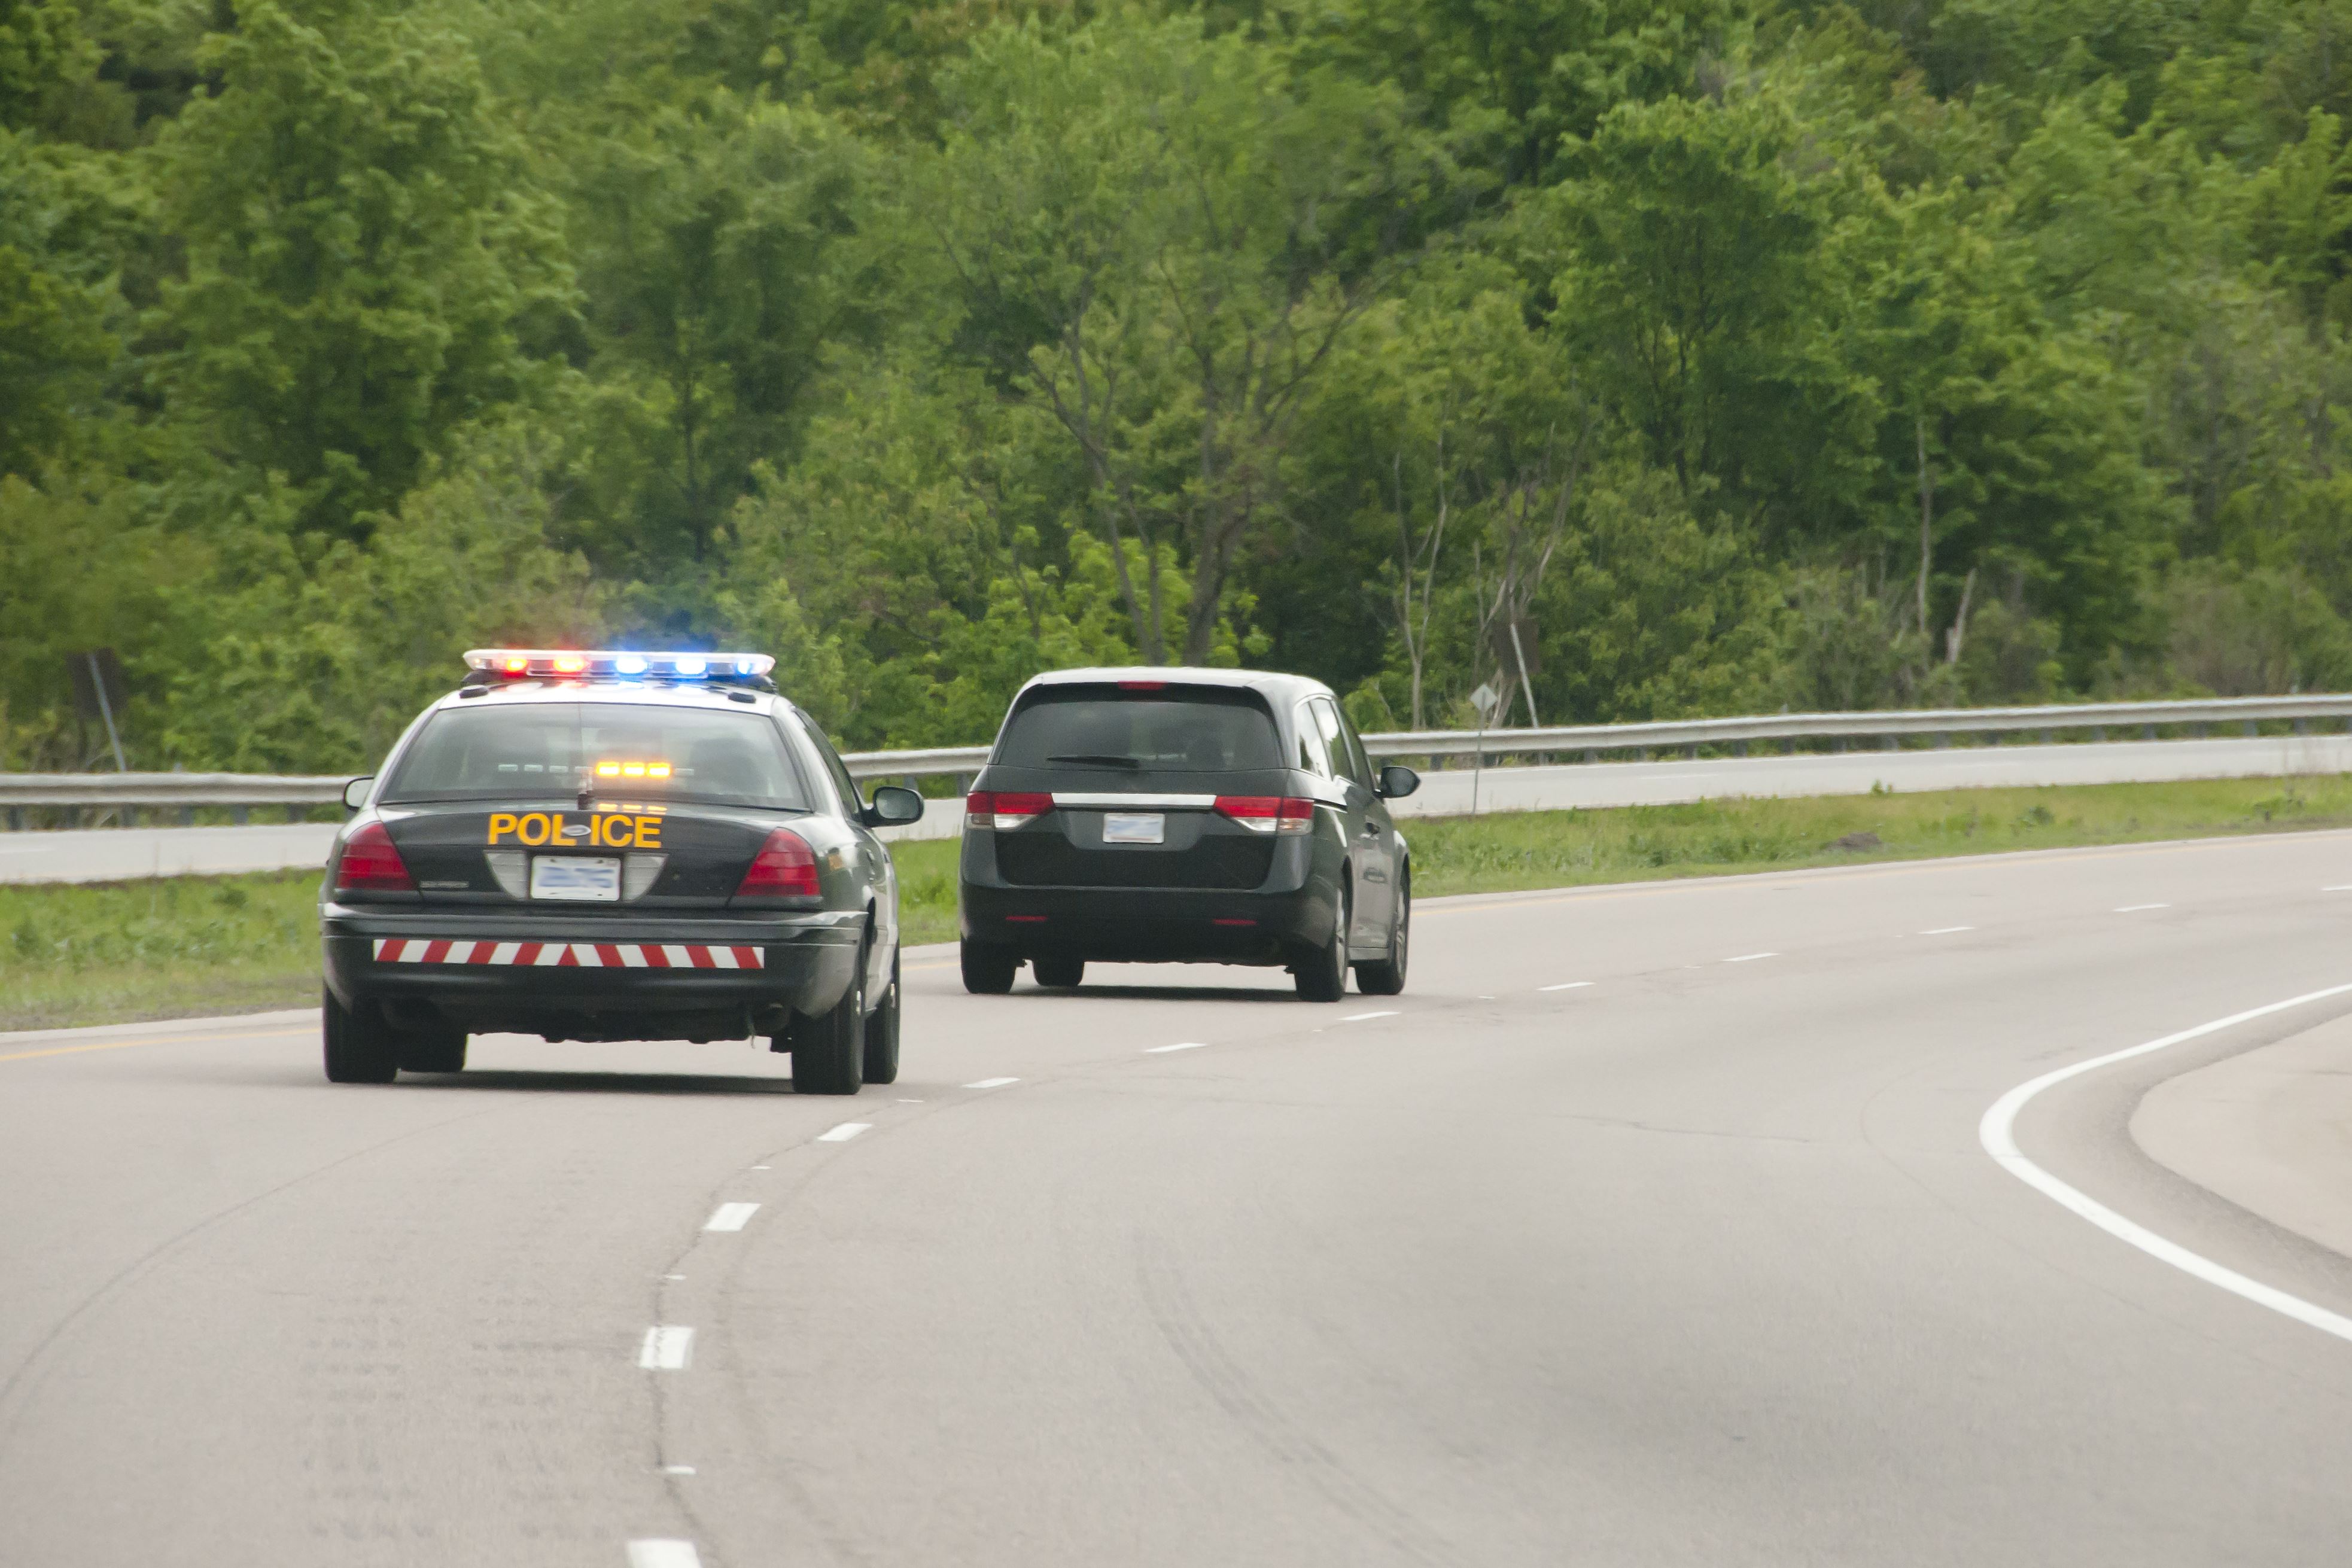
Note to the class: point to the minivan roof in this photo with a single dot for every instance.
(1270, 683)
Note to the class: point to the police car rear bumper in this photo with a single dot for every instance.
(591, 979)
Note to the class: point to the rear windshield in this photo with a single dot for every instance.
(1204, 730)
(629, 751)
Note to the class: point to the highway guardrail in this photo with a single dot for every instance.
(126, 793)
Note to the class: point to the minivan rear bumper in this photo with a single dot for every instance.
(1151, 926)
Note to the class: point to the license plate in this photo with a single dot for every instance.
(586, 879)
(1134, 828)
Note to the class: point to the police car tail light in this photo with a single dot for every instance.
(1269, 813)
(785, 867)
(1004, 810)
(371, 863)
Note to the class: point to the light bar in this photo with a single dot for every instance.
(598, 664)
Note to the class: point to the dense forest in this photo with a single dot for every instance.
(1715, 355)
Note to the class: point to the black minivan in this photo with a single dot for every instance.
(1184, 816)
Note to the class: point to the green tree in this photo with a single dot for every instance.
(367, 265)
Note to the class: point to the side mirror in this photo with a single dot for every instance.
(1397, 781)
(355, 793)
(894, 806)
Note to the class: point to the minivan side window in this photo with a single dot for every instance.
(1313, 753)
(1326, 722)
(1366, 774)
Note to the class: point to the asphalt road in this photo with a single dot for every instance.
(1699, 1261)
(112, 854)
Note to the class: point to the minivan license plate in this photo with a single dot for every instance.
(1134, 828)
(588, 879)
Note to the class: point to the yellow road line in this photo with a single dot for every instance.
(167, 1039)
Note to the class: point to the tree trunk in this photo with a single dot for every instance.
(1926, 525)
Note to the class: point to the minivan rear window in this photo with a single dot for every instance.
(1205, 729)
(628, 751)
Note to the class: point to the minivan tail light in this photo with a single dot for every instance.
(1004, 810)
(371, 863)
(1269, 813)
(785, 867)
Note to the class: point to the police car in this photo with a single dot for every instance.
(608, 846)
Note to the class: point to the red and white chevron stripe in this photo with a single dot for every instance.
(566, 955)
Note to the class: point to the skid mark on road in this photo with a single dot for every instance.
(1229, 1384)
(28, 1372)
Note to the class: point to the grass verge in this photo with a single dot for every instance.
(183, 947)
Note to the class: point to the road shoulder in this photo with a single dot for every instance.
(2269, 1130)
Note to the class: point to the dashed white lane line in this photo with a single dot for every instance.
(730, 1217)
(663, 1555)
(1179, 1045)
(1566, 986)
(1751, 957)
(763, 1168)
(1997, 1133)
(2339, 887)
(991, 1084)
(844, 1132)
(2136, 908)
(667, 1348)
(678, 1470)
(1946, 930)
(1359, 1018)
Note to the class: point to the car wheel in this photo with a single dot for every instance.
(1058, 972)
(1385, 977)
(1323, 973)
(882, 1034)
(829, 1051)
(441, 1051)
(358, 1046)
(988, 971)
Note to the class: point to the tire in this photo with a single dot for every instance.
(1385, 977)
(988, 971)
(829, 1051)
(1058, 972)
(882, 1034)
(359, 1049)
(442, 1051)
(1323, 973)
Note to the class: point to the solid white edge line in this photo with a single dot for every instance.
(1566, 986)
(730, 1217)
(1997, 1132)
(1359, 1018)
(667, 1347)
(663, 1555)
(1182, 1045)
(844, 1132)
(991, 1084)
(1751, 957)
